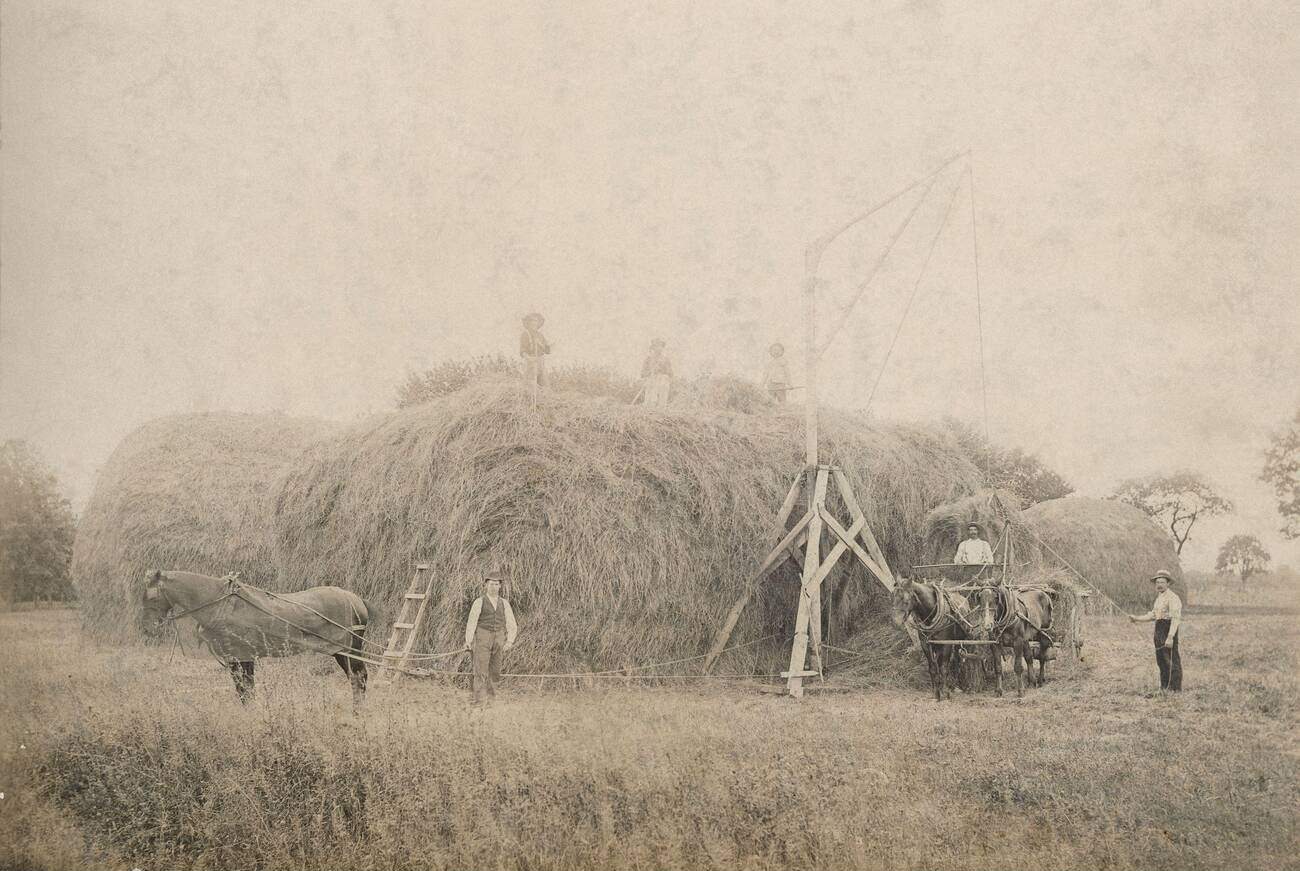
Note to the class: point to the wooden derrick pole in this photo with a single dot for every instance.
(815, 480)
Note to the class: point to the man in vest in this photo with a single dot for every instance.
(1167, 614)
(489, 633)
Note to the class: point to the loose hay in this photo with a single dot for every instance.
(185, 492)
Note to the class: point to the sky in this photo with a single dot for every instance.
(275, 207)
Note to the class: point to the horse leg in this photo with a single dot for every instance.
(996, 653)
(931, 668)
(242, 674)
(1018, 654)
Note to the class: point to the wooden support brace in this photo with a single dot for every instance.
(788, 543)
(799, 649)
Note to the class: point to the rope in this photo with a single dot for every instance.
(841, 318)
(979, 309)
(360, 637)
(915, 287)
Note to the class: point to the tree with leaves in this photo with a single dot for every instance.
(1243, 556)
(1282, 470)
(1009, 468)
(36, 529)
(1175, 502)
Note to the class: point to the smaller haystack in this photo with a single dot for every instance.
(1113, 545)
(185, 492)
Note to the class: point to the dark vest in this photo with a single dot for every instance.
(492, 619)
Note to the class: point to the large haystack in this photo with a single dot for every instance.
(1115, 546)
(186, 492)
(627, 532)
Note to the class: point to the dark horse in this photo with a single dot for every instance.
(1018, 619)
(240, 623)
(939, 616)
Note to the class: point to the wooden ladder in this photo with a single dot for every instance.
(408, 621)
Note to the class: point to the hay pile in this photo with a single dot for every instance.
(626, 532)
(185, 492)
(1115, 546)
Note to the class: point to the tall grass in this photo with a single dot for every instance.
(115, 758)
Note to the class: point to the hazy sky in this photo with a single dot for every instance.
(249, 206)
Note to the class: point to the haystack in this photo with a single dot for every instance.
(1114, 546)
(186, 492)
(626, 532)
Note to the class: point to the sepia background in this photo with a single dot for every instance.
(262, 207)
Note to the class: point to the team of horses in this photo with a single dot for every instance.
(999, 618)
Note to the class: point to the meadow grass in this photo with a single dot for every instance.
(134, 757)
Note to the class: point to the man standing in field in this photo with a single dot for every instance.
(657, 373)
(489, 633)
(1167, 612)
(533, 347)
(974, 551)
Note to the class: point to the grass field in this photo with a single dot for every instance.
(117, 757)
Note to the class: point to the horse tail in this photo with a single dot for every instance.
(371, 612)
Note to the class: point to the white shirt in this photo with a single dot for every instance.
(512, 629)
(974, 552)
(1167, 606)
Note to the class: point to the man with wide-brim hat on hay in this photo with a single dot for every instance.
(489, 633)
(974, 551)
(533, 347)
(658, 374)
(776, 377)
(1167, 613)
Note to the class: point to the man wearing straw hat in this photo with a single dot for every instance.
(533, 347)
(776, 377)
(489, 633)
(658, 374)
(1167, 613)
(974, 551)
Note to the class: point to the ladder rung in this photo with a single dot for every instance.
(403, 625)
(415, 595)
(421, 567)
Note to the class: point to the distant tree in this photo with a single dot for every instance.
(1243, 556)
(1175, 502)
(36, 529)
(1282, 470)
(1009, 468)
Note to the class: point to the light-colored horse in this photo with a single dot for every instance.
(241, 623)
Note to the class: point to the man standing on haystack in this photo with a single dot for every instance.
(1167, 613)
(776, 377)
(657, 373)
(533, 347)
(974, 551)
(489, 633)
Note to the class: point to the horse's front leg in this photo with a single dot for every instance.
(1018, 655)
(242, 674)
(996, 652)
(932, 668)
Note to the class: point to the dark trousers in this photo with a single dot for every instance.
(1167, 659)
(486, 659)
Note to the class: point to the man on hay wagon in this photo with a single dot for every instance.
(974, 551)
